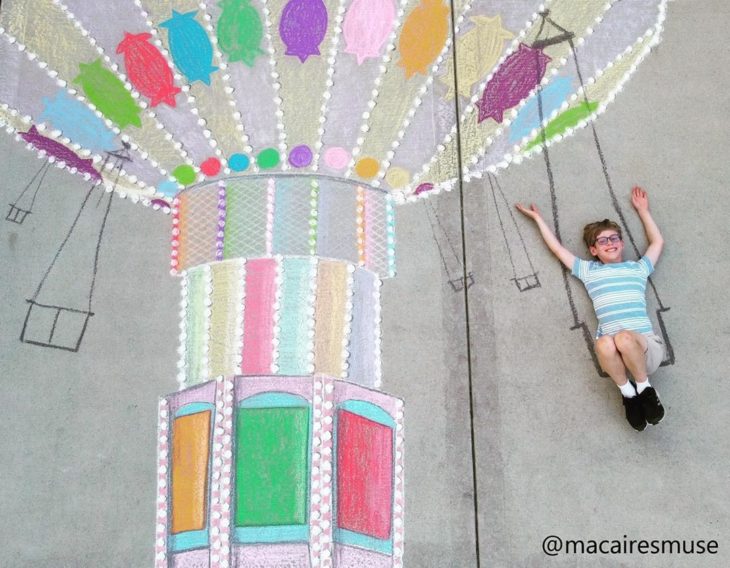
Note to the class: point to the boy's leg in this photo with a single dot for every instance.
(633, 349)
(611, 361)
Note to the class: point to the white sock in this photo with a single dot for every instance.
(641, 385)
(628, 390)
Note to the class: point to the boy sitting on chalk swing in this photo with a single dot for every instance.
(625, 340)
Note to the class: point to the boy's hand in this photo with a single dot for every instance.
(639, 199)
(533, 212)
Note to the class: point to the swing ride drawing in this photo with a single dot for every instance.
(280, 136)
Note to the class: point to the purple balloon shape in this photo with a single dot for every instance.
(60, 152)
(302, 27)
(512, 82)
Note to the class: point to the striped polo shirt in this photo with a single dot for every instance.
(618, 293)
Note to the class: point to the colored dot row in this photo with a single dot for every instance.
(336, 158)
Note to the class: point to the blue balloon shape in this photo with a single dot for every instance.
(190, 46)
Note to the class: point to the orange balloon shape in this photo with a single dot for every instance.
(423, 37)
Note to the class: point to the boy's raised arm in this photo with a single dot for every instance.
(640, 201)
(563, 254)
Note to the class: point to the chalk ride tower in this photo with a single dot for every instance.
(280, 135)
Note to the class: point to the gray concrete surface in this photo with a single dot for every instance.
(553, 452)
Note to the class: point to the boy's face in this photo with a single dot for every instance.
(608, 247)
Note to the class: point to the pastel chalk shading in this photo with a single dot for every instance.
(147, 69)
(184, 174)
(336, 158)
(562, 122)
(239, 162)
(296, 296)
(367, 167)
(195, 325)
(190, 46)
(189, 477)
(108, 93)
(329, 317)
(271, 466)
(366, 28)
(512, 82)
(302, 27)
(364, 475)
(211, 167)
(168, 188)
(423, 36)
(78, 122)
(60, 152)
(479, 50)
(268, 158)
(300, 156)
(258, 323)
(223, 350)
(240, 31)
(551, 98)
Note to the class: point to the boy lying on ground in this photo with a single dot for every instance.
(625, 340)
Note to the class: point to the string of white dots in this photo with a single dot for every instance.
(240, 302)
(327, 95)
(276, 85)
(182, 349)
(315, 514)
(385, 60)
(128, 86)
(175, 239)
(276, 331)
(378, 362)
(313, 216)
(361, 226)
(419, 98)
(180, 80)
(207, 316)
(517, 157)
(326, 506)
(475, 98)
(226, 78)
(347, 324)
(163, 439)
(228, 392)
(215, 489)
(221, 481)
(311, 313)
(398, 493)
(321, 499)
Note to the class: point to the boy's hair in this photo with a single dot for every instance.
(592, 230)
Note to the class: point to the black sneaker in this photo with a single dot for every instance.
(635, 413)
(652, 406)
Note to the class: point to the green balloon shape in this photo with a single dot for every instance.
(563, 121)
(107, 92)
(240, 31)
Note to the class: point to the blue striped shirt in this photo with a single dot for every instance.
(618, 293)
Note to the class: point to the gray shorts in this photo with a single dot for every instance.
(655, 351)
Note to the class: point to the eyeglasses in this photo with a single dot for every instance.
(603, 241)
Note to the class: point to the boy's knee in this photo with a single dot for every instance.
(625, 340)
(605, 345)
